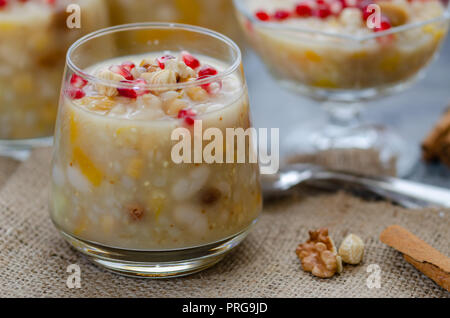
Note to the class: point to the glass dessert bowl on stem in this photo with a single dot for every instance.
(34, 38)
(325, 50)
(117, 194)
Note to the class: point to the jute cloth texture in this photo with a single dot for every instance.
(34, 257)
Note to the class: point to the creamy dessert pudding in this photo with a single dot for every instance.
(34, 38)
(115, 183)
(327, 44)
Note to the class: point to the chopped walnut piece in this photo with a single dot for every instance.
(135, 211)
(318, 255)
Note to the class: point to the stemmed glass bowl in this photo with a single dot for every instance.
(342, 72)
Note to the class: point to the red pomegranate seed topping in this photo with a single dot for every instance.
(262, 15)
(3, 3)
(323, 11)
(121, 70)
(366, 12)
(163, 59)
(128, 66)
(281, 14)
(336, 7)
(343, 3)
(75, 93)
(384, 25)
(188, 116)
(137, 90)
(303, 10)
(206, 70)
(77, 81)
(51, 2)
(190, 60)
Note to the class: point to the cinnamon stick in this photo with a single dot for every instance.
(422, 256)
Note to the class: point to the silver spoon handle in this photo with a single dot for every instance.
(427, 193)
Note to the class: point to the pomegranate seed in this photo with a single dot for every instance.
(51, 2)
(188, 116)
(121, 70)
(281, 14)
(262, 15)
(137, 90)
(163, 59)
(206, 71)
(323, 11)
(77, 81)
(190, 60)
(128, 66)
(3, 3)
(343, 3)
(212, 88)
(303, 10)
(384, 25)
(336, 7)
(75, 92)
(364, 6)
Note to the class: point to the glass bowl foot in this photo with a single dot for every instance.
(20, 149)
(363, 148)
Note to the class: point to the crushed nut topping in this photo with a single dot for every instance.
(318, 255)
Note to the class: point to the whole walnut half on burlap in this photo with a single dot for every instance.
(318, 255)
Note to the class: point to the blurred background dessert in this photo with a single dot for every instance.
(217, 15)
(34, 38)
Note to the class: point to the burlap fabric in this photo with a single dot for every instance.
(34, 258)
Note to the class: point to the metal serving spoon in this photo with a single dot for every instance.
(407, 193)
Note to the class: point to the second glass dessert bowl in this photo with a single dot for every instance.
(117, 194)
(324, 49)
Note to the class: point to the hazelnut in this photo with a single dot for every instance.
(352, 249)
(183, 72)
(161, 77)
(109, 76)
(197, 93)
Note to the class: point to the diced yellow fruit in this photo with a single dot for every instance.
(7, 26)
(73, 129)
(98, 102)
(134, 168)
(390, 63)
(156, 202)
(312, 56)
(87, 167)
(438, 33)
(325, 83)
(360, 54)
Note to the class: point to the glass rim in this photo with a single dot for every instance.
(153, 26)
(358, 38)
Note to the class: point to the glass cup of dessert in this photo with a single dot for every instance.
(343, 53)
(118, 194)
(217, 15)
(34, 37)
